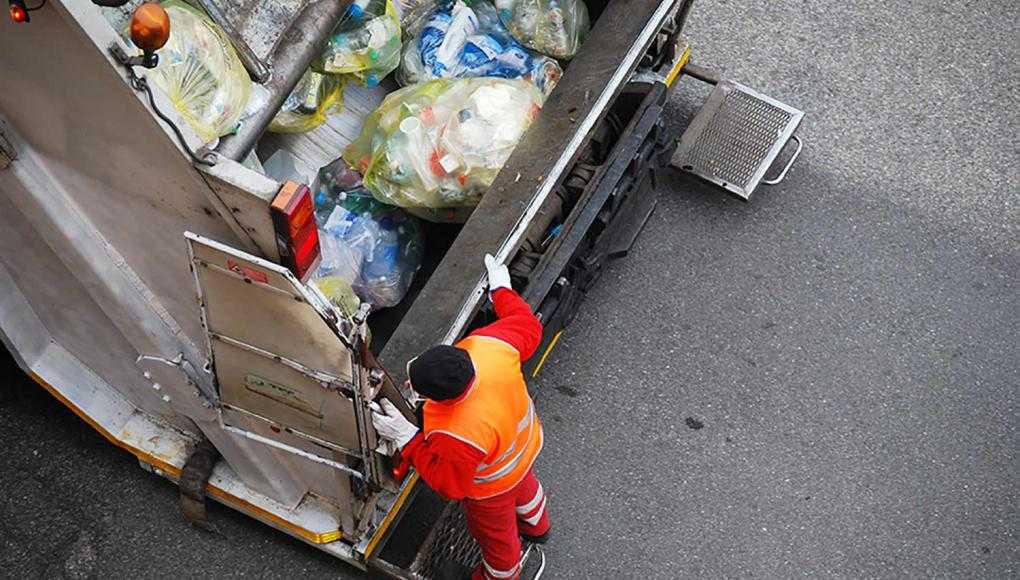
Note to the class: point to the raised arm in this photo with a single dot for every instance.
(517, 324)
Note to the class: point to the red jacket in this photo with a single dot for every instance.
(446, 464)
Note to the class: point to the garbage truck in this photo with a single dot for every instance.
(156, 283)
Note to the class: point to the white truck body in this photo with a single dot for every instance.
(107, 225)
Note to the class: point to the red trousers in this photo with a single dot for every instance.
(496, 523)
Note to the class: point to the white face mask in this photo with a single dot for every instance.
(413, 397)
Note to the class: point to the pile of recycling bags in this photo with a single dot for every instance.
(474, 74)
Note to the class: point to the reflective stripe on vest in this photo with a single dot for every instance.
(496, 415)
(524, 429)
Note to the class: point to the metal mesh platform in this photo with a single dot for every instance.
(736, 137)
(449, 542)
(450, 552)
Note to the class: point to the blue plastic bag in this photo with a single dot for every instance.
(454, 40)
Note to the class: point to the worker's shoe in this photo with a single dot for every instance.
(536, 539)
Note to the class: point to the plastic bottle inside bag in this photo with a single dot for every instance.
(553, 27)
(331, 186)
(375, 248)
(314, 98)
(457, 40)
(441, 143)
(365, 44)
(200, 73)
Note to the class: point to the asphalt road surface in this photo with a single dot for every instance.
(820, 382)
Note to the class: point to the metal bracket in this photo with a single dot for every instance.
(150, 363)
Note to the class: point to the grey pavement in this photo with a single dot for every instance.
(821, 382)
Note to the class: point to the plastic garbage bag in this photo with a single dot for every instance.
(312, 100)
(376, 248)
(200, 73)
(454, 40)
(365, 44)
(553, 27)
(339, 292)
(441, 143)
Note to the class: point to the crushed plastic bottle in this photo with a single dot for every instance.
(553, 27)
(314, 98)
(440, 144)
(200, 73)
(365, 44)
(454, 40)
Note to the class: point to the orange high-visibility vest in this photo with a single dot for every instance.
(495, 415)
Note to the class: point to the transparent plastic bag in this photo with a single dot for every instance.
(200, 73)
(440, 144)
(310, 103)
(454, 40)
(375, 247)
(553, 27)
(365, 44)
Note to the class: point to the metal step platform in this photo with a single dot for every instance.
(450, 553)
(736, 137)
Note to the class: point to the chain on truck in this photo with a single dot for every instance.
(151, 281)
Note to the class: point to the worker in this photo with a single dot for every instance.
(480, 434)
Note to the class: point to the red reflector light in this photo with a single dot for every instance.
(296, 233)
(18, 13)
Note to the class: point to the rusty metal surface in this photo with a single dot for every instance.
(255, 27)
(304, 40)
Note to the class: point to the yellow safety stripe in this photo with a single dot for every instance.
(545, 355)
(381, 530)
(175, 472)
(678, 66)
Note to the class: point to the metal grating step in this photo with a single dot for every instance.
(735, 138)
(450, 553)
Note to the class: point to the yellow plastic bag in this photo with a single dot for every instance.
(365, 44)
(200, 73)
(440, 144)
(314, 98)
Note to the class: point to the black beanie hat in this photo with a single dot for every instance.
(441, 373)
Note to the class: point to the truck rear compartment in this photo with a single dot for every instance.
(324, 144)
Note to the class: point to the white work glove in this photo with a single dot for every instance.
(499, 275)
(390, 423)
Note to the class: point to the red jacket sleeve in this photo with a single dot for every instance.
(446, 464)
(517, 324)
